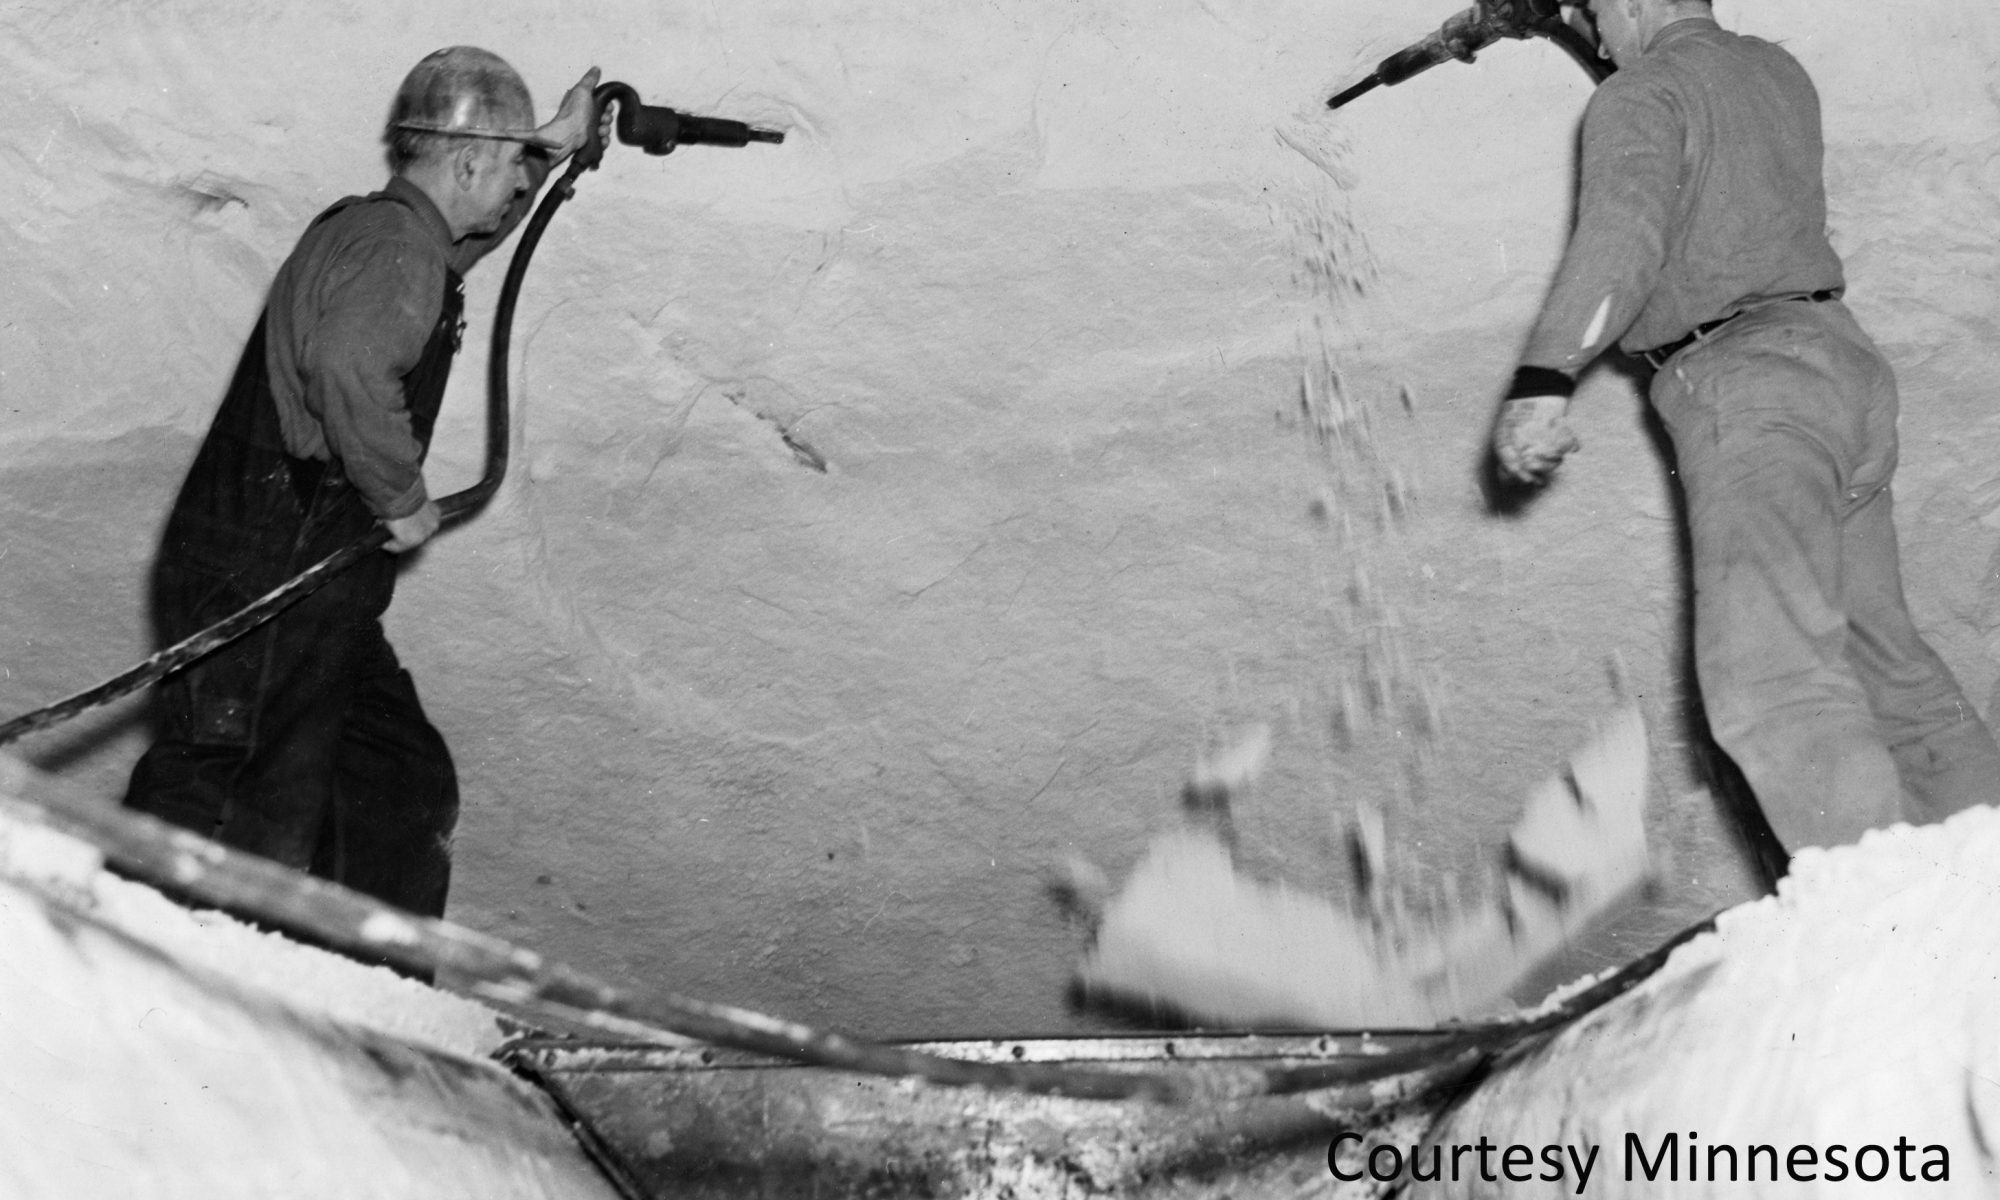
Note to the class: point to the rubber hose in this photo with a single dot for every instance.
(452, 507)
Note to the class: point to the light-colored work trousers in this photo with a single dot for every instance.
(1840, 715)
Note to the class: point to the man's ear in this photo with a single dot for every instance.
(465, 162)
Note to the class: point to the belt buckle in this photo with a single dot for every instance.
(1659, 355)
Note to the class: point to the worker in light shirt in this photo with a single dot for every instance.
(1701, 246)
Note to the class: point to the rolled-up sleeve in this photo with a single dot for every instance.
(1632, 166)
(377, 304)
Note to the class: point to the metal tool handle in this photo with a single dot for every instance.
(657, 129)
(1465, 34)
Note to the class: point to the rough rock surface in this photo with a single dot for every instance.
(1148, 395)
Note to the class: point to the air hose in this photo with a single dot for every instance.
(1413, 1063)
(653, 128)
(151, 849)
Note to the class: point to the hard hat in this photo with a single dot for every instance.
(464, 91)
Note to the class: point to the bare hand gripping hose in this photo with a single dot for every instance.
(486, 966)
(655, 129)
(452, 507)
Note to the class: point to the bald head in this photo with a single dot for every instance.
(1626, 27)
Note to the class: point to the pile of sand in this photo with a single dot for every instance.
(1859, 1007)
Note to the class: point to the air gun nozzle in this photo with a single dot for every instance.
(1365, 86)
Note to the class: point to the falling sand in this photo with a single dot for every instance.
(1191, 933)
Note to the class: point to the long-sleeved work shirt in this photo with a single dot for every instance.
(1701, 197)
(348, 316)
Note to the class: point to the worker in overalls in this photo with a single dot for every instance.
(303, 741)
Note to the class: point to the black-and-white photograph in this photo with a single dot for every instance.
(1072, 599)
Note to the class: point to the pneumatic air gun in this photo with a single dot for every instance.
(657, 129)
(654, 129)
(1478, 27)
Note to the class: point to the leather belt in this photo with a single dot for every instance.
(1659, 355)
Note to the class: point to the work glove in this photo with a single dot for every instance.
(1531, 436)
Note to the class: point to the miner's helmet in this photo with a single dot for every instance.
(463, 91)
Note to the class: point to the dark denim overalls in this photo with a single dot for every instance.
(302, 741)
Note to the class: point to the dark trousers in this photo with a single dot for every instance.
(1815, 678)
(304, 742)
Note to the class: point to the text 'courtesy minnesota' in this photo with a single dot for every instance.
(1656, 1158)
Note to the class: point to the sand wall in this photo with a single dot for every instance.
(1042, 289)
